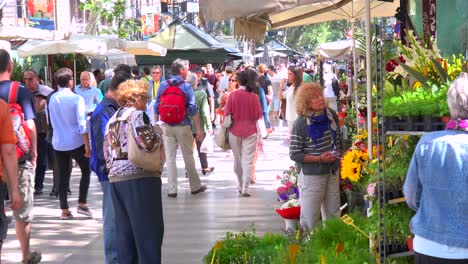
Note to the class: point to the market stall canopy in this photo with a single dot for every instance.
(15, 32)
(338, 50)
(271, 53)
(89, 45)
(275, 45)
(253, 17)
(183, 40)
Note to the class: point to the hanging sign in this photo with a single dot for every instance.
(429, 19)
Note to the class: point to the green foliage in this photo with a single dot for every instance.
(429, 100)
(258, 249)
(19, 69)
(397, 221)
(311, 36)
(324, 241)
(113, 11)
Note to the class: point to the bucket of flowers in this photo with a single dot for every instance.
(288, 196)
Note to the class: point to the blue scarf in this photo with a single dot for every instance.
(318, 125)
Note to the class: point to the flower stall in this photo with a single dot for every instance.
(415, 97)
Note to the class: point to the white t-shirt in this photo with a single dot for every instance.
(327, 83)
(291, 114)
(275, 84)
(224, 83)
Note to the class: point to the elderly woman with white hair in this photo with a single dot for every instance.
(436, 185)
(204, 116)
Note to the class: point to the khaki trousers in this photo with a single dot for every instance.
(318, 193)
(175, 136)
(244, 151)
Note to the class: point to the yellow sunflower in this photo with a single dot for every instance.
(352, 171)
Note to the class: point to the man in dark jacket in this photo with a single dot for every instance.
(101, 115)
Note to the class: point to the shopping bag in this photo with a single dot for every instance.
(207, 146)
(261, 128)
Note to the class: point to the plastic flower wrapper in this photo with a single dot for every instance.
(286, 187)
(290, 203)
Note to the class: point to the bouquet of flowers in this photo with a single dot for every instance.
(354, 163)
(288, 194)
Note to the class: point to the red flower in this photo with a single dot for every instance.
(401, 59)
(394, 62)
(389, 67)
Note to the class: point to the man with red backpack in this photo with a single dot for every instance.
(175, 106)
(21, 107)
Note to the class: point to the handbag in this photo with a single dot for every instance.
(207, 146)
(148, 161)
(222, 139)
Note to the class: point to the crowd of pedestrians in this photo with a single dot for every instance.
(95, 122)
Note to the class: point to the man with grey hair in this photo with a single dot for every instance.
(91, 95)
(180, 134)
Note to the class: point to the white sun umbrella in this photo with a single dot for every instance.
(94, 46)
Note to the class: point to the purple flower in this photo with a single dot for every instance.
(283, 196)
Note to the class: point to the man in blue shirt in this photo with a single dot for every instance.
(70, 140)
(91, 95)
(99, 119)
(180, 134)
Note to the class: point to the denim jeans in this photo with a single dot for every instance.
(108, 229)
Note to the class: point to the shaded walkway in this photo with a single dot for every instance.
(193, 223)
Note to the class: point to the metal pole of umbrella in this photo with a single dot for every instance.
(368, 80)
(74, 70)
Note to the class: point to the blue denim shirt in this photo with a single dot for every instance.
(192, 108)
(99, 119)
(436, 187)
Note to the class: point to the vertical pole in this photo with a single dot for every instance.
(354, 87)
(368, 80)
(74, 70)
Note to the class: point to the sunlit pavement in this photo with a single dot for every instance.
(193, 223)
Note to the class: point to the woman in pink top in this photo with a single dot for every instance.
(244, 107)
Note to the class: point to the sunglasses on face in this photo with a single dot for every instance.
(156, 72)
(233, 80)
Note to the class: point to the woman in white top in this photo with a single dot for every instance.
(330, 97)
(295, 79)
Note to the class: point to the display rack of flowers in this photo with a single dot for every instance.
(417, 82)
(288, 196)
(398, 153)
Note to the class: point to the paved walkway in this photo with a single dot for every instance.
(193, 223)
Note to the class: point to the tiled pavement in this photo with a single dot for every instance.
(193, 223)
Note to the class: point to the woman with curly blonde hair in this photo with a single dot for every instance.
(315, 145)
(135, 192)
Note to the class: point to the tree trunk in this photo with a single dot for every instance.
(92, 27)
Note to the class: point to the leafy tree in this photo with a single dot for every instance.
(113, 12)
(310, 36)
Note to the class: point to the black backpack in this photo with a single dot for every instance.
(336, 87)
